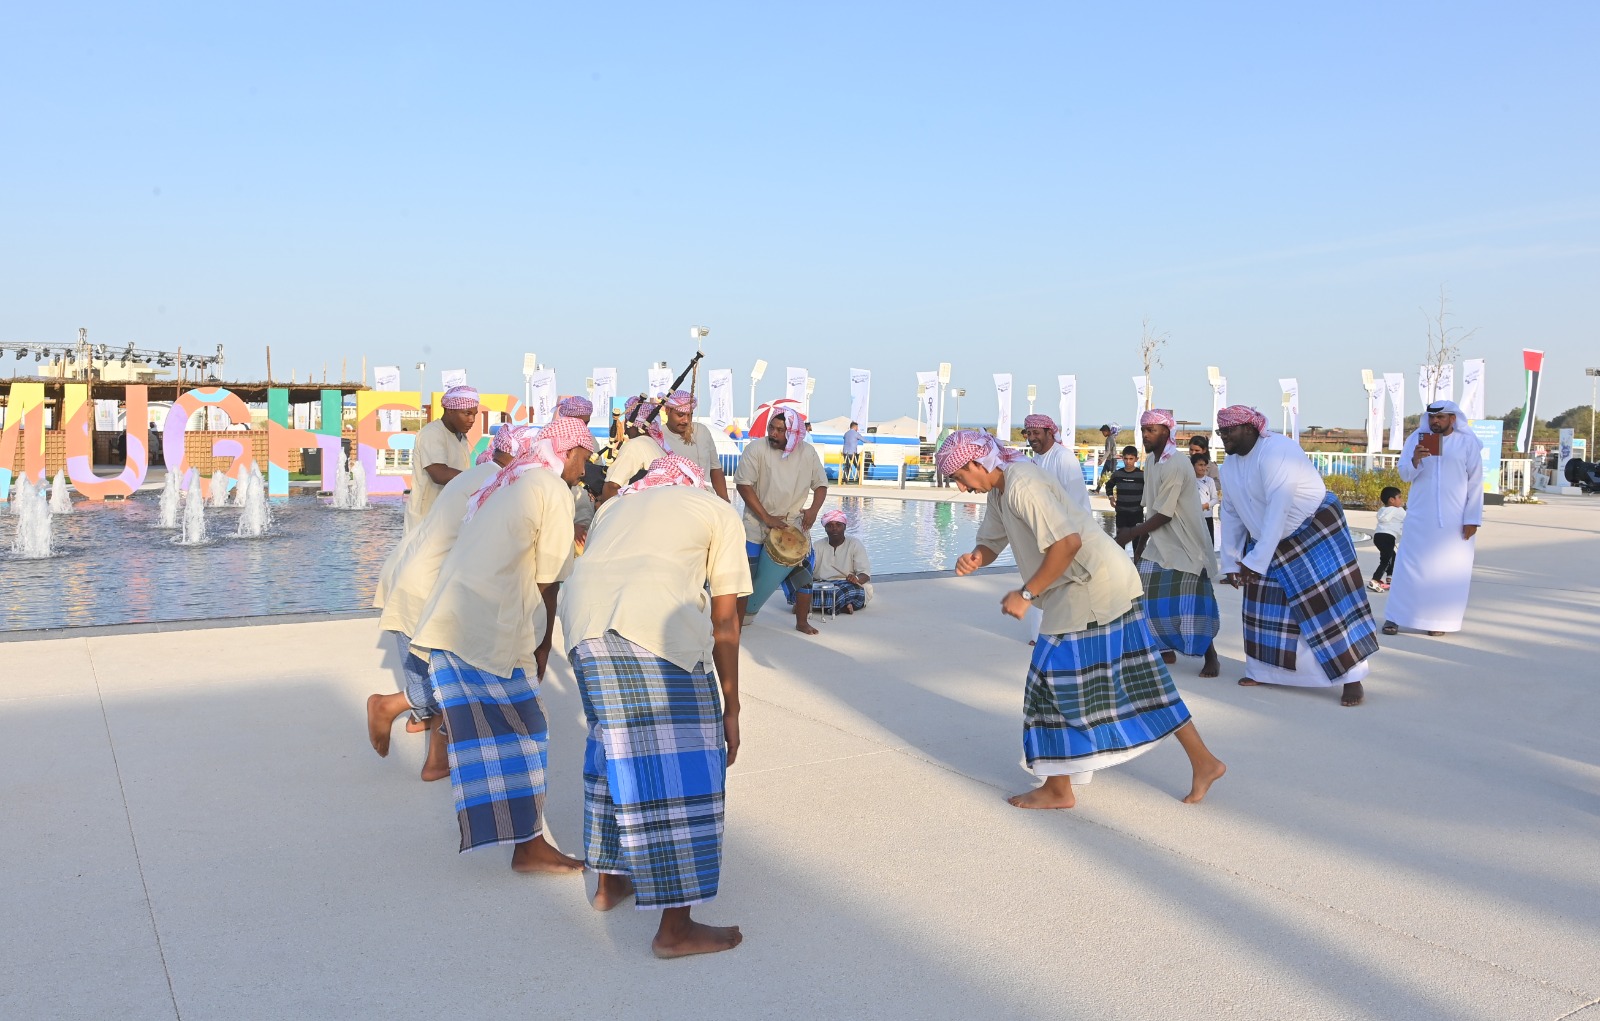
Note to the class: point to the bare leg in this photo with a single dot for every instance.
(679, 935)
(611, 891)
(1353, 695)
(1208, 769)
(802, 610)
(1055, 792)
(1168, 657)
(537, 855)
(381, 713)
(437, 765)
(1212, 666)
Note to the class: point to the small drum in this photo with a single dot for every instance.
(782, 551)
(787, 546)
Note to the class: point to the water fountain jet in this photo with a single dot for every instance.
(194, 514)
(32, 538)
(60, 501)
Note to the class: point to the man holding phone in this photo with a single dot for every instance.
(1443, 461)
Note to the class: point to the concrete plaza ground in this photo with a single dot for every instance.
(195, 828)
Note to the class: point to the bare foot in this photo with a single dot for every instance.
(611, 891)
(437, 765)
(414, 725)
(847, 610)
(1249, 683)
(805, 628)
(381, 713)
(693, 937)
(1168, 657)
(1212, 666)
(1353, 694)
(1204, 777)
(537, 855)
(1055, 792)
(1435, 634)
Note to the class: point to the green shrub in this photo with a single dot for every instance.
(1361, 491)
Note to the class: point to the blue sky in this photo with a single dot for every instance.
(1281, 189)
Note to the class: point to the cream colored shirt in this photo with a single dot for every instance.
(1182, 544)
(634, 457)
(486, 606)
(783, 485)
(703, 451)
(833, 563)
(645, 570)
(435, 444)
(582, 506)
(1031, 514)
(407, 578)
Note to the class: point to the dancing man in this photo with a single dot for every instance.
(774, 478)
(404, 585)
(1433, 570)
(1097, 692)
(441, 451)
(482, 624)
(1306, 618)
(651, 607)
(1178, 562)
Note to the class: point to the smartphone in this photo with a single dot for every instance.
(1429, 442)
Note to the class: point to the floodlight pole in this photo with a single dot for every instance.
(1594, 385)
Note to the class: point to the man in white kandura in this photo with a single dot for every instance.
(1058, 460)
(1443, 461)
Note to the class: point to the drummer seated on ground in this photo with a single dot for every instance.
(841, 563)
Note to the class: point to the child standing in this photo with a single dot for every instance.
(1207, 487)
(1125, 487)
(1391, 519)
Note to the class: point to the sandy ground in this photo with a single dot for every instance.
(202, 834)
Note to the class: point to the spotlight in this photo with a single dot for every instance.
(22, 353)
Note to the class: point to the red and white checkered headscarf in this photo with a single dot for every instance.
(1161, 416)
(633, 413)
(966, 445)
(794, 422)
(671, 470)
(829, 517)
(1241, 414)
(515, 440)
(546, 450)
(575, 407)
(681, 400)
(459, 398)
(1042, 422)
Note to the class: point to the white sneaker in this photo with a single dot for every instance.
(1374, 586)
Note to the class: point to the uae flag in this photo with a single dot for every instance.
(1533, 364)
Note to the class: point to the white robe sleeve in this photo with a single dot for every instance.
(1280, 479)
(1409, 471)
(1472, 506)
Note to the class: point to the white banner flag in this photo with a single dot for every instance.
(1375, 417)
(1002, 392)
(453, 377)
(795, 384)
(1395, 384)
(605, 388)
(1141, 385)
(1219, 400)
(1067, 388)
(1426, 379)
(657, 381)
(860, 396)
(928, 383)
(721, 384)
(1472, 392)
(1291, 390)
(387, 377)
(542, 396)
(1444, 387)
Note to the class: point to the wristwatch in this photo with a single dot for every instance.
(1024, 593)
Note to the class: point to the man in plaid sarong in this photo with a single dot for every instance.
(651, 604)
(1178, 562)
(482, 625)
(1307, 622)
(1098, 693)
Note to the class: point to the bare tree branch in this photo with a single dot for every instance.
(1150, 345)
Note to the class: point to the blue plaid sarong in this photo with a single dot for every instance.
(653, 771)
(1312, 588)
(1098, 691)
(1181, 608)
(414, 680)
(499, 747)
